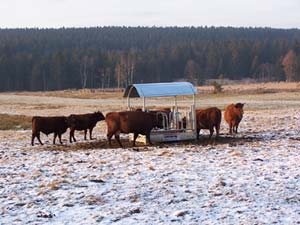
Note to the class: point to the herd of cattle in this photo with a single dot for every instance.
(136, 122)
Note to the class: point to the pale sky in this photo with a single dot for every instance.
(91, 13)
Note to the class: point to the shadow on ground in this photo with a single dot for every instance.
(203, 141)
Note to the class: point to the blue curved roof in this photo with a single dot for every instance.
(160, 89)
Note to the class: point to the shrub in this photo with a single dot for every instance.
(217, 87)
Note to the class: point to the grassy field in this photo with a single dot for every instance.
(257, 88)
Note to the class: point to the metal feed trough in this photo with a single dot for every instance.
(173, 129)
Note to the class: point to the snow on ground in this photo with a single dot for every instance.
(250, 178)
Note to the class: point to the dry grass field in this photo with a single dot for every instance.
(249, 178)
(256, 88)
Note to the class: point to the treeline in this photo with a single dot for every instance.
(53, 59)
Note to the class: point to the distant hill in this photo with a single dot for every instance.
(105, 57)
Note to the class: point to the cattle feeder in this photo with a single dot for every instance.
(178, 125)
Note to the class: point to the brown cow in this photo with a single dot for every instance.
(136, 122)
(83, 122)
(209, 118)
(57, 125)
(233, 116)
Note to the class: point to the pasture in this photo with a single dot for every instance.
(249, 178)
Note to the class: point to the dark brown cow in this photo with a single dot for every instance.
(136, 122)
(56, 124)
(160, 112)
(83, 122)
(233, 116)
(209, 118)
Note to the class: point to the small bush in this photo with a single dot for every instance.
(217, 87)
(14, 122)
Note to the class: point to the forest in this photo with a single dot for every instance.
(114, 57)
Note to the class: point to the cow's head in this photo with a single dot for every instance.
(161, 120)
(239, 109)
(99, 116)
(239, 105)
(67, 121)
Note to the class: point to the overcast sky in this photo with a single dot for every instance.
(91, 13)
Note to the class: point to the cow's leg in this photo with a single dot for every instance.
(134, 138)
(198, 131)
(85, 131)
(55, 135)
(117, 137)
(236, 128)
(230, 128)
(32, 139)
(211, 132)
(70, 139)
(39, 138)
(217, 130)
(113, 130)
(91, 131)
(59, 136)
(148, 138)
(109, 135)
(72, 134)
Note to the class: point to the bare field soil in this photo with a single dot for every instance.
(249, 178)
